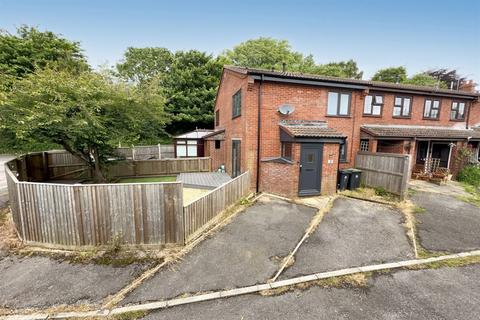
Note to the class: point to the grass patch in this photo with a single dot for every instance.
(372, 194)
(417, 209)
(451, 263)
(133, 315)
(148, 179)
(474, 194)
(356, 280)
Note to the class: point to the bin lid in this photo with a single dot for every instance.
(345, 171)
(354, 170)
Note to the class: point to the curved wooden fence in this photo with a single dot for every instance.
(96, 214)
(199, 214)
(77, 215)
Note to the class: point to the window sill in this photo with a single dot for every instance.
(402, 117)
(343, 161)
(238, 116)
(334, 116)
(458, 120)
(371, 116)
(431, 119)
(277, 160)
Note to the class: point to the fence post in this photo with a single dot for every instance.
(159, 152)
(133, 152)
(405, 177)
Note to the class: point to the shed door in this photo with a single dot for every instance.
(310, 169)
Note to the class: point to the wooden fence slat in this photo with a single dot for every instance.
(198, 214)
(389, 171)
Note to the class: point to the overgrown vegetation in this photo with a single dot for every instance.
(450, 263)
(133, 315)
(470, 174)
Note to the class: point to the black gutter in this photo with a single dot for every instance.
(259, 126)
(310, 82)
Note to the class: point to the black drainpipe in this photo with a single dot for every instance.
(259, 127)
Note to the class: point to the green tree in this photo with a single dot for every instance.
(393, 74)
(190, 87)
(342, 69)
(426, 80)
(23, 53)
(30, 49)
(267, 53)
(140, 65)
(84, 112)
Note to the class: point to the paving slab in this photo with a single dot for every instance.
(354, 233)
(448, 224)
(35, 282)
(245, 252)
(448, 293)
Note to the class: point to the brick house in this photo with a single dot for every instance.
(294, 131)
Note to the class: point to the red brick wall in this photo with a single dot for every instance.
(474, 119)
(389, 146)
(283, 179)
(310, 103)
(217, 155)
(330, 168)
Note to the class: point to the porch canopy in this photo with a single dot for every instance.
(420, 132)
(309, 131)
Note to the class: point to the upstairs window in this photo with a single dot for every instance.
(373, 105)
(458, 110)
(237, 104)
(402, 107)
(431, 109)
(218, 144)
(338, 104)
(287, 150)
(217, 118)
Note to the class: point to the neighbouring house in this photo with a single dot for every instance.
(190, 144)
(294, 131)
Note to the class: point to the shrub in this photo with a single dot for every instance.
(470, 174)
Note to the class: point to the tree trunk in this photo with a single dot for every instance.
(98, 176)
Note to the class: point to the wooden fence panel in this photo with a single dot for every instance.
(387, 170)
(86, 215)
(200, 213)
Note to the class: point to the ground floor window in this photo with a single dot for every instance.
(364, 145)
(343, 151)
(217, 144)
(287, 150)
(186, 148)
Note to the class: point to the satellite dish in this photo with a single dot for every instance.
(286, 109)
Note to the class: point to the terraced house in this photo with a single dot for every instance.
(294, 131)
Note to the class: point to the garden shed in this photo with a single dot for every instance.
(190, 144)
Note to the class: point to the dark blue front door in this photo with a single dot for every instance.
(310, 169)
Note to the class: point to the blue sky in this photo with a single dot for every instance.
(416, 34)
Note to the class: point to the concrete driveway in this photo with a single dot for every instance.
(353, 233)
(448, 224)
(448, 293)
(35, 282)
(245, 252)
